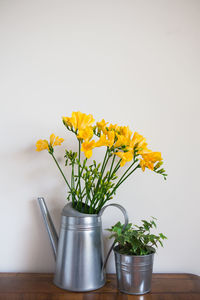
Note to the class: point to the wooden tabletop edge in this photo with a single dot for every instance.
(109, 275)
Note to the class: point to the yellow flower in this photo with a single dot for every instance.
(87, 147)
(111, 138)
(67, 121)
(79, 120)
(137, 141)
(149, 159)
(58, 141)
(124, 138)
(85, 134)
(126, 132)
(102, 126)
(144, 150)
(55, 141)
(121, 141)
(152, 156)
(106, 139)
(114, 127)
(102, 141)
(125, 156)
(52, 138)
(43, 144)
(146, 164)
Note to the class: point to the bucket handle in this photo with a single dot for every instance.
(123, 210)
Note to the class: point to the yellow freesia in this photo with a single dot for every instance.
(121, 141)
(85, 134)
(114, 127)
(102, 141)
(138, 140)
(146, 164)
(87, 147)
(102, 126)
(52, 138)
(106, 139)
(67, 121)
(149, 159)
(126, 132)
(144, 150)
(44, 145)
(152, 156)
(78, 120)
(110, 138)
(55, 141)
(125, 156)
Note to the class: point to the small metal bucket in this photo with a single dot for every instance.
(134, 272)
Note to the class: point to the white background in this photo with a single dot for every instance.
(131, 62)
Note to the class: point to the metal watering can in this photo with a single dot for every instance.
(79, 251)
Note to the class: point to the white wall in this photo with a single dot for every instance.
(132, 62)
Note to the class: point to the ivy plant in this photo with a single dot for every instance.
(136, 240)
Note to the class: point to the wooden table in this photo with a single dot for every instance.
(27, 286)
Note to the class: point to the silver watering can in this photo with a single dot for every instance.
(79, 251)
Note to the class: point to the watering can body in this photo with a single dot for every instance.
(79, 251)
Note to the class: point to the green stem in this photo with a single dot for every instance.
(118, 184)
(72, 176)
(92, 191)
(79, 176)
(61, 171)
(101, 172)
(116, 167)
(121, 181)
(105, 157)
(79, 179)
(105, 162)
(88, 196)
(82, 195)
(126, 172)
(72, 183)
(79, 158)
(113, 160)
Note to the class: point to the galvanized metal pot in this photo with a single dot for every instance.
(134, 272)
(79, 253)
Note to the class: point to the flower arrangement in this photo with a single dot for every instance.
(92, 184)
(136, 240)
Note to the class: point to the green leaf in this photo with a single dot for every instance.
(132, 240)
(162, 236)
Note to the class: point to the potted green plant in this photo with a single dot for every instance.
(134, 254)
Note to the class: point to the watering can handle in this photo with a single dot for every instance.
(125, 224)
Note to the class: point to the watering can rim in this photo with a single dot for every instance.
(69, 211)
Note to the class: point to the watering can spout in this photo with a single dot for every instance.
(49, 225)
